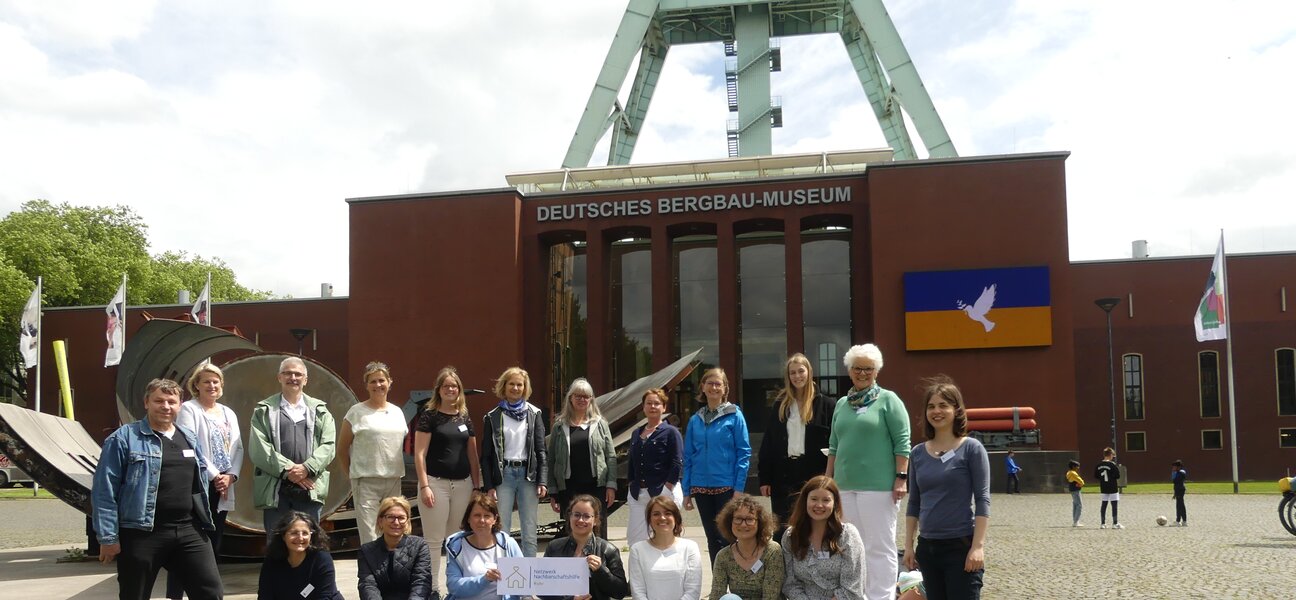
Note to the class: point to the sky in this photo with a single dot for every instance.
(237, 129)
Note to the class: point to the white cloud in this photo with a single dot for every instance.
(269, 114)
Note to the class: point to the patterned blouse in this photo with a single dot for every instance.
(764, 583)
(822, 577)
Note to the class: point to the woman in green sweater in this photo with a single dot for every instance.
(868, 456)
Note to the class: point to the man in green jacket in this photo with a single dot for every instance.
(292, 444)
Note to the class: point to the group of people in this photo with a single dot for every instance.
(1108, 474)
(835, 472)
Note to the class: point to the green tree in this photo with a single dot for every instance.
(81, 253)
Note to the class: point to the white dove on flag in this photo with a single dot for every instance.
(977, 312)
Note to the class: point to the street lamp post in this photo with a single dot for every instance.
(1107, 304)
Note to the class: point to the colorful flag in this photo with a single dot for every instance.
(1209, 320)
(116, 326)
(978, 308)
(28, 340)
(201, 311)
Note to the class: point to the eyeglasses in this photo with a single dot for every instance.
(581, 516)
(396, 518)
(291, 374)
(714, 384)
(449, 386)
(744, 520)
(864, 370)
(582, 397)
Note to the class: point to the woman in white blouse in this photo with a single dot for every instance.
(369, 449)
(665, 565)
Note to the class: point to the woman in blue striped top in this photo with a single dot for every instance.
(949, 474)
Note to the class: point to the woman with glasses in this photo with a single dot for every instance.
(369, 449)
(792, 449)
(717, 452)
(607, 576)
(297, 563)
(751, 566)
(582, 457)
(446, 462)
(396, 566)
(655, 467)
(868, 456)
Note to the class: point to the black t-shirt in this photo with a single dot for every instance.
(1108, 475)
(447, 453)
(582, 474)
(177, 483)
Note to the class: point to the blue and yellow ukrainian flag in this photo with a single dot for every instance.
(980, 308)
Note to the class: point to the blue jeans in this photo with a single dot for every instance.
(1076, 507)
(941, 563)
(515, 489)
(289, 504)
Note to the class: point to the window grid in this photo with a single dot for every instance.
(1285, 379)
(1208, 383)
(1132, 367)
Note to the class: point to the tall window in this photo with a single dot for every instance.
(630, 313)
(826, 303)
(1285, 367)
(697, 305)
(1208, 383)
(762, 298)
(566, 314)
(1133, 368)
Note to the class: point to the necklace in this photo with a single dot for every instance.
(742, 555)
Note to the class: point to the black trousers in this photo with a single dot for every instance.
(1014, 485)
(1181, 511)
(708, 506)
(175, 581)
(941, 563)
(575, 488)
(176, 548)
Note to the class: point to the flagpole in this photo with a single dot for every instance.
(1228, 350)
(209, 302)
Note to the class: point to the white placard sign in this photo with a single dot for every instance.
(543, 577)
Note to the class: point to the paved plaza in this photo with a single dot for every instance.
(1234, 548)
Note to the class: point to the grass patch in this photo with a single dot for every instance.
(1198, 487)
(24, 493)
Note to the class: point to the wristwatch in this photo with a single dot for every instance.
(902, 475)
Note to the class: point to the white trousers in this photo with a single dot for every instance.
(636, 521)
(874, 514)
(367, 493)
(445, 515)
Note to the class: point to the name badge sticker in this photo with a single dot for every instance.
(306, 591)
(861, 410)
(947, 456)
(188, 453)
(463, 427)
(756, 566)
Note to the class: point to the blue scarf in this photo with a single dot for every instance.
(865, 397)
(517, 411)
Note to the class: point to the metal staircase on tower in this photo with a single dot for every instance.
(747, 28)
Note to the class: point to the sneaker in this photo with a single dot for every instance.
(1118, 526)
(1103, 526)
(1077, 524)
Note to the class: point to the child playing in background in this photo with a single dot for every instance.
(1178, 476)
(1074, 483)
(1108, 475)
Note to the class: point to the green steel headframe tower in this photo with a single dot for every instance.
(746, 27)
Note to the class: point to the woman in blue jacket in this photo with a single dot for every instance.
(473, 553)
(717, 452)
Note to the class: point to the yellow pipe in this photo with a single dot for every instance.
(65, 387)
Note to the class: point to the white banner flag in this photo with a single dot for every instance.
(28, 341)
(116, 327)
(1209, 321)
(201, 311)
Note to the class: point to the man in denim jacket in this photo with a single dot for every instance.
(150, 503)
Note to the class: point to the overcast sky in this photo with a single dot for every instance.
(237, 128)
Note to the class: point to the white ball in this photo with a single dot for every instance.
(1161, 520)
